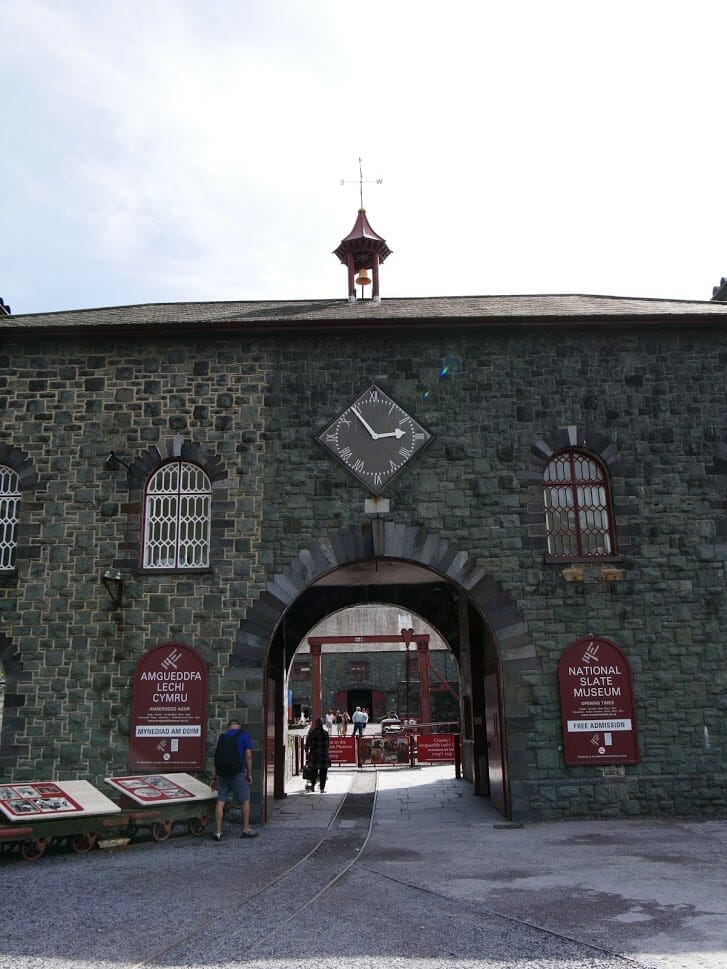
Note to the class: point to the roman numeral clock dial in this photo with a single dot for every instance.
(374, 438)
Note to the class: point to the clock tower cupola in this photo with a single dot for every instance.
(362, 250)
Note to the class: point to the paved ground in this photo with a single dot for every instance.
(653, 891)
(438, 879)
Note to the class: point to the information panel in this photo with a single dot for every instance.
(597, 704)
(169, 710)
(161, 788)
(50, 799)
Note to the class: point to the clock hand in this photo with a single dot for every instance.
(397, 433)
(368, 427)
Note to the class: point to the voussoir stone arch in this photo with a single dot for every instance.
(175, 449)
(21, 462)
(395, 541)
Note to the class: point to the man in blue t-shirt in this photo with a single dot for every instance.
(239, 783)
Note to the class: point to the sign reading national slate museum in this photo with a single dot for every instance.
(597, 704)
(169, 710)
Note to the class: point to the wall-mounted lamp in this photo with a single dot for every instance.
(113, 462)
(114, 585)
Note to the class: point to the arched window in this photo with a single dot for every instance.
(9, 505)
(177, 511)
(577, 507)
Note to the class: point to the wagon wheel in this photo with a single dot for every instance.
(161, 830)
(198, 825)
(81, 843)
(32, 850)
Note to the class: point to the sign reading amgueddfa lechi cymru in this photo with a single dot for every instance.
(169, 710)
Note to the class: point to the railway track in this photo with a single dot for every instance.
(277, 902)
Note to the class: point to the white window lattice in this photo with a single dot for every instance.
(576, 500)
(177, 518)
(9, 507)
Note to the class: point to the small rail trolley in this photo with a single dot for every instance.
(75, 814)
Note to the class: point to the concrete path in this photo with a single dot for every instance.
(655, 891)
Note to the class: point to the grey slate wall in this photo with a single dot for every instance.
(653, 405)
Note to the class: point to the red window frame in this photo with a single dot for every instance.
(578, 513)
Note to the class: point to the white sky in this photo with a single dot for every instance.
(170, 150)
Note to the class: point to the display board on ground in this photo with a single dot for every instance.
(33, 800)
(161, 788)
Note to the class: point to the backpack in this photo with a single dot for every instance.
(227, 756)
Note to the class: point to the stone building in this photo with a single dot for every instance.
(363, 665)
(521, 472)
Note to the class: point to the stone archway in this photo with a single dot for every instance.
(286, 609)
(402, 542)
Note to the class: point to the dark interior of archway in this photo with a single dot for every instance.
(436, 602)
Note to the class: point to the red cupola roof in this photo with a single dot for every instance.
(363, 242)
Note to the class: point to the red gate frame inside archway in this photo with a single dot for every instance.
(407, 636)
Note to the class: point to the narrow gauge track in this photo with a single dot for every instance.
(278, 901)
(286, 906)
(285, 898)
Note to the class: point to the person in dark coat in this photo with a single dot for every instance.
(316, 747)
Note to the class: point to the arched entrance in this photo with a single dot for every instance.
(422, 573)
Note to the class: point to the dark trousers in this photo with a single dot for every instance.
(321, 775)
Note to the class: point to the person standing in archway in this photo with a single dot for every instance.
(316, 747)
(359, 719)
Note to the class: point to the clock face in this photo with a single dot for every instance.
(374, 438)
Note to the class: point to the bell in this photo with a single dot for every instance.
(363, 278)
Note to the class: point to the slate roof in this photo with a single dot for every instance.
(271, 315)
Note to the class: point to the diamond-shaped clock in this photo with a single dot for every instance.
(374, 438)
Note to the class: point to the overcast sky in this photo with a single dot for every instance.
(172, 150)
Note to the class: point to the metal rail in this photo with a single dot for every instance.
(325, 864)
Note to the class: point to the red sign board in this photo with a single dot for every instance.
(597, 704)
(169, 710)
(342, 750)
(435, 747)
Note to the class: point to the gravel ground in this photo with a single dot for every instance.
(418, 892)
(187, 904)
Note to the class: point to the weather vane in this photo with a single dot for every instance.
(361, 181)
